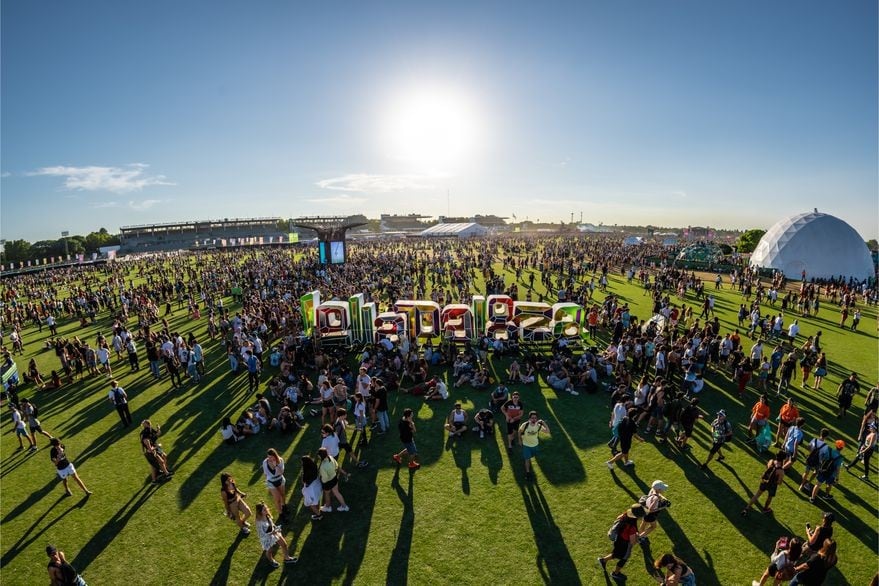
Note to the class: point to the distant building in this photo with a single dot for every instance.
(183, 235)
(403, 223)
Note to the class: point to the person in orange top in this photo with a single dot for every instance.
(759, 416)
(786, 417)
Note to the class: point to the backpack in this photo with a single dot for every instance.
(34, 411)
(814, 456)
(826, 465)
(614, 530)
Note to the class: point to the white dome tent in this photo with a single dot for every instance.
(820, 244)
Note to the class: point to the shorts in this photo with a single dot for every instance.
(327, 404)
(330, 484)
(529, 452)
(827, 479)
(339, 402)
(770, 489)
(512, 427)
(344, 446)
(759, 422)
(457, 425)
(845, 402)
(65, 472)
(21, 431)
(651, 517)
(276, 484)
(410, 448)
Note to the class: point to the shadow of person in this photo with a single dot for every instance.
(398, 565)
(461, 452)
(554, 562)
(490, 457)
(221, 576)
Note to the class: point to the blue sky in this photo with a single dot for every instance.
(729, 114)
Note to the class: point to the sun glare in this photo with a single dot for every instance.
(432, 129)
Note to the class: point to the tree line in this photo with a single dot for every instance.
(22, 251)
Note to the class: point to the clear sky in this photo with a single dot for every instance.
(728, 114)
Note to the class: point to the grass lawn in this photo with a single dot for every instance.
(467, 516)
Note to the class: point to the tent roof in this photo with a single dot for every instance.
(454, 229)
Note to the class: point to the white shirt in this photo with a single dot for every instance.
(442, 389)
(619, 411)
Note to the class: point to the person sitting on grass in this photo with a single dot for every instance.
(230, 432)
(456, 422)
(439, 391)
(484, 420)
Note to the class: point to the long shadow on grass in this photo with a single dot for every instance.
(221, 576)
(398, 565)
(23, 542)
(105, 535)
(564, 467)
(554, 562)
(462, 453)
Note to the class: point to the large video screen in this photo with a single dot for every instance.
(331, 252)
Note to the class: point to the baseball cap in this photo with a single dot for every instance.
(659, 485)
(51, 550)
(721, 413)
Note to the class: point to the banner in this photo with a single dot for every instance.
(80, 258)
(28, 263)
(94, 256)
(294, 237)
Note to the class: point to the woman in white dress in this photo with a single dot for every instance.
(270, 535)
(273, 468)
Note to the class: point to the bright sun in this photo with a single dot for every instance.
(432, 129)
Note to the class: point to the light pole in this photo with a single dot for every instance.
(64, 236)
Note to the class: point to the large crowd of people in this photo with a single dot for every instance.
(653, 369)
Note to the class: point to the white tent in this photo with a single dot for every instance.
(463, 230)
(633, 241)
(820, 244)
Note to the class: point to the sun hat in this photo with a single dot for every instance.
(659, 485)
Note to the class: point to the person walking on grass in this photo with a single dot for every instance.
(328, 469)
(61, 573)
(721, 433)
(119, 398)
(21, 429)
(624, 533)
(626, 431)
(64, 466)
(406, 427)
(273, 468)
(530, 434)
(770, 480)
(312, 490)
(654, 503)
(865, 452)
(233, 503)
(513, 409)
(846, 392)
(828, 471)
(270, 536)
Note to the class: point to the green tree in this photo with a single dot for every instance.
(747, 242)
(873, 244)
(16, 251)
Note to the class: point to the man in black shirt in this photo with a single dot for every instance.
(407, 437)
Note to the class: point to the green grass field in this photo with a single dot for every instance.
(466, 517)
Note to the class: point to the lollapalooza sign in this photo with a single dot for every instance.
(497, 316)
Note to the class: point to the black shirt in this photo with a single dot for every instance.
(56, 452)
(380, 395)
(406, 433)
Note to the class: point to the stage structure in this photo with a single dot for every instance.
(331, 232)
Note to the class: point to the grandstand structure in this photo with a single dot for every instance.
(201, 233)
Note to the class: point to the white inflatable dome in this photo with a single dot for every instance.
(822, 245)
